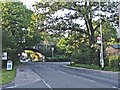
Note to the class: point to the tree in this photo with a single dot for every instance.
(15, 21)
(84, 11)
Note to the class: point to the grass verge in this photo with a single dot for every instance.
(95, 67)
(8, 76)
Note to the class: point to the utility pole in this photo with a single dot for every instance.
(119, 23)
(101, 48)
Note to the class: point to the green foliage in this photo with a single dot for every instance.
(40, 26)
(58, 58)
(83, 55)
(15, 21)
(109, 33)
(8, 76)
(64, 45)
(114, 60)
(73, 46)
(95, 67)
(108, 68)
(88, 66)
(71, 43)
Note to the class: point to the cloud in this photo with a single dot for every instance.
(28, 3)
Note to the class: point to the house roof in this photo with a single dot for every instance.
(116, 46)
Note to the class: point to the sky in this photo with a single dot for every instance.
(29, 3)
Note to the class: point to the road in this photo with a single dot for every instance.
(52, 75)
(55, 75)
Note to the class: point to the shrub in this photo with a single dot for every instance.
(114, 60)
(83, 55)
(58, 58)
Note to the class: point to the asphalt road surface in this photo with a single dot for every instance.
(55, 75)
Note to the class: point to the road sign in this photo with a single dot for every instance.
(99, 40)
(9, 65)
(4, 55)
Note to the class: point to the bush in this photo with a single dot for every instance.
(113, 61)
(58, 58)
(83, 55)
(4, 63)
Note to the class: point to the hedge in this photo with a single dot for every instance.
(114, 60)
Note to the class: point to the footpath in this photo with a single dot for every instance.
(24, 76)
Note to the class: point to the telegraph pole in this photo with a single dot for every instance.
(101, 48)
(119, 23)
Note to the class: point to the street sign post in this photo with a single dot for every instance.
(101, 39)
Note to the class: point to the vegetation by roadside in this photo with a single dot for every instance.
(107, 68)
(8, 76)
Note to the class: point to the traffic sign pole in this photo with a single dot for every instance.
(101, 49)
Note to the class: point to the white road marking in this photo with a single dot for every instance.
(51, 68)
(47, 84)
(61, 71)
(97, 77)
(77, 76)
(84, 78)
(90, 80)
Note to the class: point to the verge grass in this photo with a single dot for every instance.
(95, 67)
(8, 76)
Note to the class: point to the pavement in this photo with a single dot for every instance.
(24, 76)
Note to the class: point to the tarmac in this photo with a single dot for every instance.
(25, 75)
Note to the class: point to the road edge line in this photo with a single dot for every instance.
(47, 84)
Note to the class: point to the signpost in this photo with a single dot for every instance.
(101, 40)
(9, 63)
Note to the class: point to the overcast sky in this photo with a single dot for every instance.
(28, 3)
